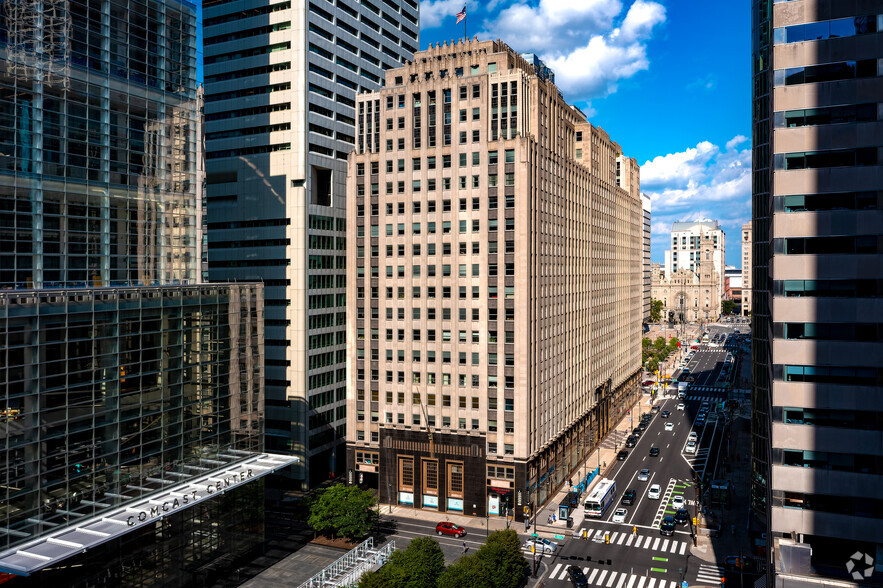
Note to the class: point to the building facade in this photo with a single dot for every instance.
(123, 382)
(693, 240)
(647, 277)
(281, 82)
(494, 263)
(687, 296)
(746, 268)
(817, 258)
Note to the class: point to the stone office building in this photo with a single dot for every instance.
(494, 261)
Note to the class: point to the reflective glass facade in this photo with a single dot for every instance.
(107, 395)
(97, 143)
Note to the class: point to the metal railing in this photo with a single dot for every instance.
(346, 571)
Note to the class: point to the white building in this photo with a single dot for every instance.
(688, 241)
(281, 81)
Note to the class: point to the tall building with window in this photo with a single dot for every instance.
(281, 82)
(647, 279)
(131, 396)
(746, 268)
(817, 256)
(694, 241)
(494, 265)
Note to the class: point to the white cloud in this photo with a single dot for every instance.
(699, 182)
(589, 44)
(433, 12)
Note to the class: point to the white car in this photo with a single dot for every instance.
(681, 406)
(693, 436)
(542, 545)
(691, 447)
(619, 515)
(677, 501)
(669, 426)
(654, 491)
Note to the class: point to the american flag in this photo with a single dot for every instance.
(461, 16)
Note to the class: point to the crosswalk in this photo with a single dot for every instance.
(709, 574)
(628, 539)
(611, 579)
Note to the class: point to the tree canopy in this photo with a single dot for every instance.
(342, 510)
(655, 311)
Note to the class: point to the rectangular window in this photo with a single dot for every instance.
(456, 475)
(406, 474)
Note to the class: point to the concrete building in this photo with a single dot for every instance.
(691, 239)
(495, 264)
(746, 268)
(817, 486)
(687, 296)
(281, 83)
(733, 287)
(647, 279)
(127, 389)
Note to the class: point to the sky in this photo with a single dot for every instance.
(668, 79)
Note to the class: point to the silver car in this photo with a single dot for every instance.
(644, 475)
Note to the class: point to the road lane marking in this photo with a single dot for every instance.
(630, 540)
(656, 543)
(641, 581)
(660, 570)
(622, 579)
(555, 571)
(632, 579)
(683, 547)
(640, 538)
(594, 573)
(664, 545)
(611, 579)
(601, 577)
(652, 582)
(622, 537)
(657, 558)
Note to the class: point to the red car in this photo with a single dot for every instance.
(450, 529)
(647, 383)
(694, 347)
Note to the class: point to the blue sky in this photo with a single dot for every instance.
(668, 79)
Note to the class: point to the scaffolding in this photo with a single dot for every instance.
(346, 572)
(38, 48)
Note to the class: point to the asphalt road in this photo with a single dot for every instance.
(404, 530)
(647, 559)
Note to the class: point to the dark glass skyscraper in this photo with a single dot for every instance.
(817, 457)
(130, 395)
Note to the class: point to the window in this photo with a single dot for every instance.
(406, 474)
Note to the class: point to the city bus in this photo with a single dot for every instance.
(600, 499)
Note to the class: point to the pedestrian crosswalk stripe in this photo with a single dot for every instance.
(656, 543)
(631, 539)
(601, 577)
(611, 579)
(683, 547)
(622, 537)
(664, 545)
(674, 546)
(555, 570)
(652, 582)
(592, 577)
(641, 581)
(638, 541)
(631, 581)
(622, 579)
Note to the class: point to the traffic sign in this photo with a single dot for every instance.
(534, 535)
(684, 584)
(559, 536)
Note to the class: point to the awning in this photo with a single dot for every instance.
(46, 550)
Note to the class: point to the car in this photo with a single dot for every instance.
(704, 404)
(619, 515)
(665, 414)
(636, 432)
(541, 545)
(642, 426)
(655, 408)
(677, 501)
(630, 442)
(622, 455)
(654, 491)
(654, 451)
(448, 528)
(644, 475)
(691, 447)
(577, 577)
(681, 406)
(667, 526)
(682, 517)
(693, 436)
(647, 383)
(669, 426)
(628, 497)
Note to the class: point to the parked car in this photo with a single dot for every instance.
(619, 515)
(644, 475)
(667, 526)
(693, 436)
(622, 455)
(628, 497)
(647, 383)
(448, 528)
(691, 447)
(654, 492)
(542, 545)
(577, 577)
(630, 442)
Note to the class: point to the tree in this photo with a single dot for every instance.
(342, 510)
(659, 343)
(655, 311)
(646, 342)
(418, 566)
(499, 563)
(727, 306)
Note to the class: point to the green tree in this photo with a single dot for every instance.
(646, 342)
(418, 566)
(727, 306)
(502, 558)
(655, 311)
(659, 343)
(343, 511)
(467, 572)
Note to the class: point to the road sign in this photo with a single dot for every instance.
(534, 535)
(684, 584)
(559, 536)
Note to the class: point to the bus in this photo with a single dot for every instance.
(600, 499)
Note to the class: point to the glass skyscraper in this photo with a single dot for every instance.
(131, 395)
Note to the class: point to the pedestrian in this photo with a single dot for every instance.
(554, 519)
(464, 547)
(635, 530)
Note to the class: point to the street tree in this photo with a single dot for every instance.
(655, 311)
(727, 306)
(418, 566)
(345, 511)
